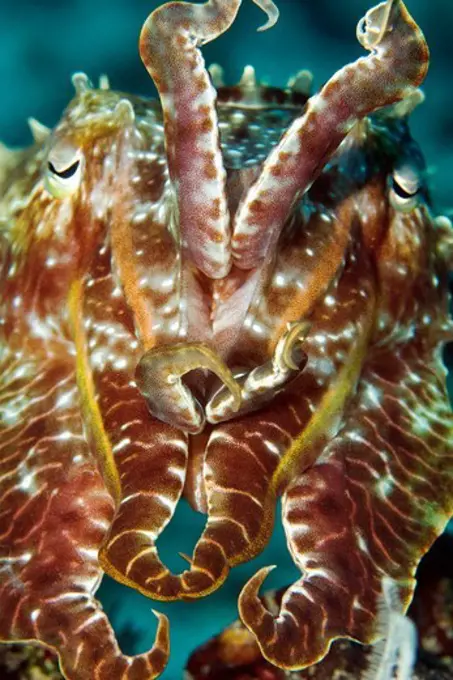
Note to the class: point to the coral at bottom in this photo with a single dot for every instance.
(28, 662)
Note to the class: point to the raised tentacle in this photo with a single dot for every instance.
(159, 374)
(192, 139)
(398, 62)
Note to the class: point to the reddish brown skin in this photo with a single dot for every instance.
(235, 655)
(227, 324)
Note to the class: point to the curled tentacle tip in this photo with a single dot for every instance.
(161, 645)
(162, 620)
(251, 609)
(251, 589)
(289, 352)
(372, 27)
(271, 9)
(158, 376)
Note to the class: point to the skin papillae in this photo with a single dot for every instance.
(228, 302)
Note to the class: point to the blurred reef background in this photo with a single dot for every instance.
(43, 42)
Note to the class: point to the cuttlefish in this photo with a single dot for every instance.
(231, 295)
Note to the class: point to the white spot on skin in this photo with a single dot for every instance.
(362, 543)
(65, 436)
(65, 399)
(330, 301)
(373, 395)
(90, 553)
(384, 487)
(28, 484)
(323, 367)
(99, 358)
(258, 328)
(122, 444)
(120, 364)
(270, 446)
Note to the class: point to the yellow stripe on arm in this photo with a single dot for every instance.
(87, 393)
(332, 403)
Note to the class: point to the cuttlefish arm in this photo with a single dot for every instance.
(142, 460)
(264, 382)
(159, 377)
(245, 459)
(55, 511)
(360, 519)
(160, 373)
(398, 63)
(169, 49)
(380, 495)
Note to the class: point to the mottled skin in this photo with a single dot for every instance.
(301, 285)
(234, 654)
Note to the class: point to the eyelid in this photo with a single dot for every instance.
(407, 178)
(404, 188)
(63, 172)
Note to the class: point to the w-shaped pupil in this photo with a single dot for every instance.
(64, 174)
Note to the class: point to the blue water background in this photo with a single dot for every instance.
(43, 42)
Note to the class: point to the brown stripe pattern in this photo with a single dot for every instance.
(193, 309)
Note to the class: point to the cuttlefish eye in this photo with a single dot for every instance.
(63, 172)
(404, 187)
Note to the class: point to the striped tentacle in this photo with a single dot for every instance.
(143, 460)
(247, 460)
(263, 383)
(398, 62)
(55, 511)
(381, 495)
(381, 489)
(169, 49)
